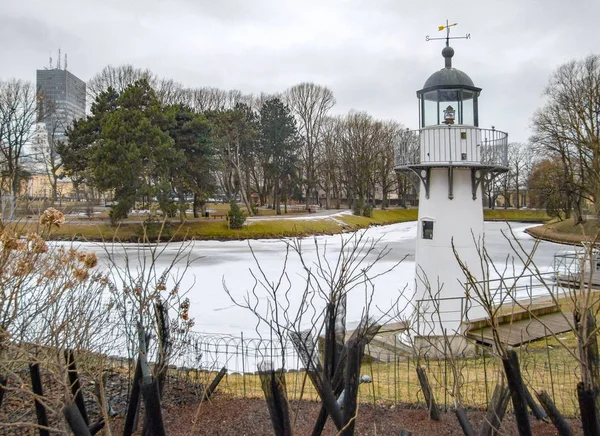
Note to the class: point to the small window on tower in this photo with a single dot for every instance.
(427, 230)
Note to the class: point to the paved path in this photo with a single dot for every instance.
(321, 214)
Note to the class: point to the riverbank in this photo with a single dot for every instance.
(566, 232)
(261, 227)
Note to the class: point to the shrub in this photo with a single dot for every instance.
(118, 212)
(235, 216)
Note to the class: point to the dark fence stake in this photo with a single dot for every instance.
(274, 388)
(3, 382)
(134, 398)
(592, 349)
(353, 356)
(496, 410)
(151, 397)
(557, 419)
(463, 420)
(75, 385)
(537, 411)
(587, 407)
(211, 388)
(305, 348)
(40, 410)
(162, 319)
(517, 392)
(338, 386)
(96, 426)
(75, 420)
(434, 413)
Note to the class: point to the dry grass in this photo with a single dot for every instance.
(397, 382)
(567, 232)
(217, 229)
(521, 215)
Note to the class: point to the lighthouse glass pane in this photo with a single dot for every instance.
(430, 109)
(467, 114)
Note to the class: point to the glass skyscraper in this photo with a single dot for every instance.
(61, 100)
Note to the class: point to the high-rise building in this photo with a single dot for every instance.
(61, 100)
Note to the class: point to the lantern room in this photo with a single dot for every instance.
(448, 97)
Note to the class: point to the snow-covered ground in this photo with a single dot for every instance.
(231, 263)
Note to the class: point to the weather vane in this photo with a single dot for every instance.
(448, 37)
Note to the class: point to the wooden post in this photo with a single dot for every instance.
(40, 410)
(154, 423)
(75, 385)
(557, 419)
(587, 407)
(495, 411)
(434, 413)
(209, 391)
(134, 398)
(517, 392)
(75, 420)
(274, 388)
(463, 420)
(353, 355)
(537, 411)
(3, 381)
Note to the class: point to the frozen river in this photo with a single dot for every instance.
(232, 263)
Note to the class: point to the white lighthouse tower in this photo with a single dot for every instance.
(452, 158)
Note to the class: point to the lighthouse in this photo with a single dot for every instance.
(452, 158)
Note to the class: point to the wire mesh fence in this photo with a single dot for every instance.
(394, 379)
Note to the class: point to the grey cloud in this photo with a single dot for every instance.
(372, 54)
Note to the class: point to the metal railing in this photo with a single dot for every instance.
(452, 145)
(570, 263)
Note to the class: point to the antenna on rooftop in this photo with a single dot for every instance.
(65, 62)
(50, 56)
(58, 61)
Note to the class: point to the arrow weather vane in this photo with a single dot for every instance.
(448, 37)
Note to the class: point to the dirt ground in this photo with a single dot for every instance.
(236, 416)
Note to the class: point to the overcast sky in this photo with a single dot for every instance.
(372, 53)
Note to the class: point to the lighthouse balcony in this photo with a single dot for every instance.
(452, 145)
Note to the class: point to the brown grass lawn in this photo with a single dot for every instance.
(567, 232)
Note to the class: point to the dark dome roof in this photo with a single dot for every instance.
(448, 77)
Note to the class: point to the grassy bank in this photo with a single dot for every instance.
(522, 215)
(567, 232)
(217, 229)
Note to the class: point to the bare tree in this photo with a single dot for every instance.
(330, 172)
(385, 176)
(18, 116)
(548, 190)
(360, 136)
(310, 104)
(520, 162)
(120, 77)
(49, 135)
(568, 125)
(117, 78)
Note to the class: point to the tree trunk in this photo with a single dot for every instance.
(195, 205)
(277, 199)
